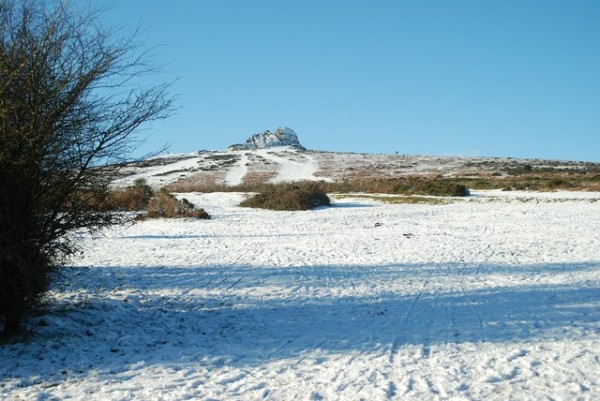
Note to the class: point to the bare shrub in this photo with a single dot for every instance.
(71, 103)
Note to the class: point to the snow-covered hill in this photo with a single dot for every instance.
(285, 163)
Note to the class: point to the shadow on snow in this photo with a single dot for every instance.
(131, 318)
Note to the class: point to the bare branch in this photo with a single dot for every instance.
(70, 105)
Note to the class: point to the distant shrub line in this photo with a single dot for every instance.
(438, 187)
(404, 186)
(309, 194)
(429, 185)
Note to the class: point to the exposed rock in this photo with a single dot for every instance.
(283, 136)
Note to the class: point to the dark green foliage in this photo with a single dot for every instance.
(439, 187)
(520, 170)
(558, 183)
(297, 196)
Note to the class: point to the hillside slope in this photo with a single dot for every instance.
(235, 167)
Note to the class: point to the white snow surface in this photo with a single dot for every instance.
(236, 173)
(288, 164)
(289, 169)
(494, 297)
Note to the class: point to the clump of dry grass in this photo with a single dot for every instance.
(148, 203)
(165, 205)
(130, 199)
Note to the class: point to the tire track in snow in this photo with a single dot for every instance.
(439, 320)
(406, 319)
(397, 377)
(480, 257)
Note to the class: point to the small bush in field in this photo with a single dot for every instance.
(432, 187)
(164, 204)
(297, 196)
(521, 170)
(445, 188)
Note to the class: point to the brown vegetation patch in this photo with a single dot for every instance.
(258, 178)
(141, 198)
(205, 179)
(165, 205)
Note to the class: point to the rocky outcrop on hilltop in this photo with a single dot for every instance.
(283, 136)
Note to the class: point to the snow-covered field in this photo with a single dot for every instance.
(493, 297)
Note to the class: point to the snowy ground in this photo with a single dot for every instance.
(291, 165)
(495, 297)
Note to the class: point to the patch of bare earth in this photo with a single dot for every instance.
(259, 170)
(204, 179)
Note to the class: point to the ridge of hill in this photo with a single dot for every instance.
(287, 164)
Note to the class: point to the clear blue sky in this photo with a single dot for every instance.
(468, 78)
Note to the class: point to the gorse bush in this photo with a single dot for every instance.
(297, 196)
(520, 170)
(438, 187)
